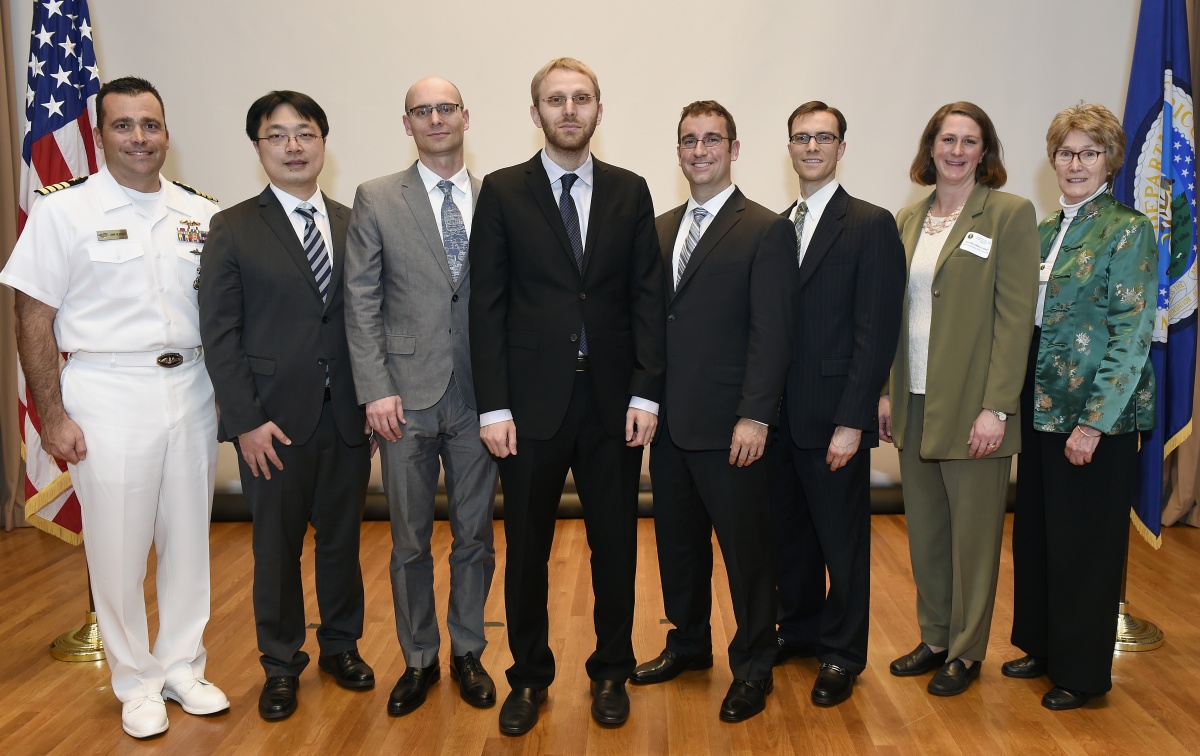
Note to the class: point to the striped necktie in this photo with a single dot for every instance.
(689, 246)
(801, 214)
(314, 249)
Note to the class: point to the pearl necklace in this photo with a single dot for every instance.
(935, 227)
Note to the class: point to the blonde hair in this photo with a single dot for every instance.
(1098, 123)
(568, 64)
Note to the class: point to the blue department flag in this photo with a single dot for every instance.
(1159, 178)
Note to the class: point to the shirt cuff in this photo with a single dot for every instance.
(495, 416)
(760, 422)
(637, 402)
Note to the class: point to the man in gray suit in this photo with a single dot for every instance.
(407, 290)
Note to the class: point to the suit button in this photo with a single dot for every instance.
(321, 361)
(325, 319)
(670, 318)
(937, 293)
(582, 295)
(454, 298)
(574, 337)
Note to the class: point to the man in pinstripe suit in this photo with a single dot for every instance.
(852, 272)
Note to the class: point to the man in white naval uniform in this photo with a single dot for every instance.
(105, 270)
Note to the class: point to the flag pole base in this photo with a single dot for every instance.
(1134, 633)
(83, 644)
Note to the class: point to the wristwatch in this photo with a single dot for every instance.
(1001, 416)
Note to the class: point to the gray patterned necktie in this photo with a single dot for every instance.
(454, 232)
(314, 249)
(570, 217)
(801, 214)
(689, 246)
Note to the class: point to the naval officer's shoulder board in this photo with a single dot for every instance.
(60, 185)
(195, 191)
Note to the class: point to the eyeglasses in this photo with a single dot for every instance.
(823, 138)
(558, 101)
(710, 141)
(444, 109)
(1086, 157)
(281, 140)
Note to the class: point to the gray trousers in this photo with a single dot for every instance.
(444, 435)
(954, 509)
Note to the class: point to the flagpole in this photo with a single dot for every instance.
(83, 644)
(1134, 633)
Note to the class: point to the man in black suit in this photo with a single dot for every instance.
(731, 285)
(566, 322)
(275, 343)
(852, 273)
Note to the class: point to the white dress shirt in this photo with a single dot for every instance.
(320, 216)
(713, 206)
(460, 193)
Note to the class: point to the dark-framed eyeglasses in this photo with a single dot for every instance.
(822, 138)
(444, 109)
(306, 139)
(558, 101)
(711, 141)
(1086, 157)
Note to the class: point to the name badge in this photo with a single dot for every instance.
(116, 233)
(977, 244)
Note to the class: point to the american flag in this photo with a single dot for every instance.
(60, 110)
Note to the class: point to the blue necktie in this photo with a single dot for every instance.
(454, 232)
(570, 217)
(314, 249)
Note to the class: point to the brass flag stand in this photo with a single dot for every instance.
(1134, 633)
(83, 644)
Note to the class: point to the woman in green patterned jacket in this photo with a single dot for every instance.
(1090, 386)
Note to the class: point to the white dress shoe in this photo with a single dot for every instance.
(143, 717)
(197, 696)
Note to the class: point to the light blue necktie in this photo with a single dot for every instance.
(454, 232)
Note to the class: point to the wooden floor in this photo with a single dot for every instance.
(54, 707)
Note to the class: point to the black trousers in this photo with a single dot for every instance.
(695, 493)
(606, 474)
(822, 522)
(1070, 534)
(323, 481)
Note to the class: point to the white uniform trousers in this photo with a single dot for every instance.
(148, 476)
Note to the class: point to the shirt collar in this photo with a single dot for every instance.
(555, 172)
(290, 202)
(1070, 211)
(461, 180)
(819, 199)
(714, 204)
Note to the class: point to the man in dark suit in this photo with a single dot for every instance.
(852, 272)
(731, 285)
(567, 348)
(275, 340)
(407, 289)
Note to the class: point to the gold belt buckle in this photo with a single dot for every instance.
(169, 359)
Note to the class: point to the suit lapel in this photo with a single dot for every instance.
(666, 243)
(966, 221)
(339, 223)
(829, 228)
(597, 214)
(273, 215)
(543, 197)
(730, 215)
(911, 233)
(466, 266)
(412, 189)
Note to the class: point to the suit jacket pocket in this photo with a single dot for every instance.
(523, 339)
(261, 365)
(731, 375)
(398, 344)
(835, 366)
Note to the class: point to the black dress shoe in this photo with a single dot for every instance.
(519, 713)
(833, 685)
(953, 678)
(745, 699)
(667, 666)
(278, 697)
(922, 659)
(610, 702)
(474, 684)
(1062, 699)
(1027, 667)
(348, 669)
(785, 651)
(411, 689)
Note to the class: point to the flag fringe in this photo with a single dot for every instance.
(44, 496)
(1155, 541)
(1173, 442)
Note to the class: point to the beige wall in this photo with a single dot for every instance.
(888, 65)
